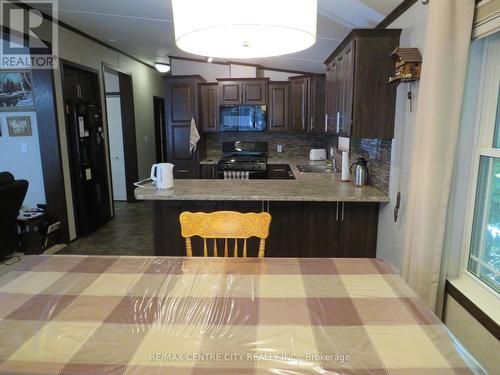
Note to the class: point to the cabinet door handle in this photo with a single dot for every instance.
(342, 217)
(326, 122)
(339, 121)
(337, 213)
(183, 171)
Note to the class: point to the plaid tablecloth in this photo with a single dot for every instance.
(145, 315)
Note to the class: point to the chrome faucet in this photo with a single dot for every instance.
(334, 164)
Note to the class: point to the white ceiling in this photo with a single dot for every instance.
(144, 28)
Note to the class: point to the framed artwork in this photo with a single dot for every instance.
(19, 126)
(15, 91)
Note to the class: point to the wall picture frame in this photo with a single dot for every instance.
(19, 126)
(16, 90)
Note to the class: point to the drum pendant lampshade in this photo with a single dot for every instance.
(244, 28)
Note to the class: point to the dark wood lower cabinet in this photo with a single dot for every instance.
(357, 236)
(298, 229)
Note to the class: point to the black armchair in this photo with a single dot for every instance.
(12, 193)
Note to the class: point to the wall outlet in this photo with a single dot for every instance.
(146, 140)
(24, 147)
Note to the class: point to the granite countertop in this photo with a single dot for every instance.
(314, 187)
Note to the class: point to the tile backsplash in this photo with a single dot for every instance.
(297, 145)
(378, 154)
(294, 144)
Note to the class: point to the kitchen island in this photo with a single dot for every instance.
(315, 215)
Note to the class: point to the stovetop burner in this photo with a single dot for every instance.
(252, 157)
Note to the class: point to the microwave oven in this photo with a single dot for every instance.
(242, 118)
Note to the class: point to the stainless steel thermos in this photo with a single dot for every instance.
(360, 173)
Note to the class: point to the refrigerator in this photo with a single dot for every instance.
(88, 166)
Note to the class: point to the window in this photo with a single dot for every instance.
(484, 246)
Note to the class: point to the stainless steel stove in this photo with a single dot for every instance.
(243, 160)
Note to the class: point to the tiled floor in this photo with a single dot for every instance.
(129, 233)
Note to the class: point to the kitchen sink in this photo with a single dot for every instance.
(314, 169)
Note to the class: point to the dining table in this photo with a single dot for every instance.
(75, 315)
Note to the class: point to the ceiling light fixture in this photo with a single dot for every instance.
(210, 59)
(242, 29)
(162, 67)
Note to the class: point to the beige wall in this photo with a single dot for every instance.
(390, 234)
(146, 84)
(483, 346)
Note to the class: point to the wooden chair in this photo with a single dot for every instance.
(225, 225)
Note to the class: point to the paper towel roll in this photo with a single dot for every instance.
(345, 166)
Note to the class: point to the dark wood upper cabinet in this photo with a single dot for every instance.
(316, 113)
(209, 107)
(181, 99)
(299, 98)
(255, 92)
(358, 101)
(340, 78)
(181, 102)
(230, 93)
(251, 91)
(277, 111)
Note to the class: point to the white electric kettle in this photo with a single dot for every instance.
(163, 175)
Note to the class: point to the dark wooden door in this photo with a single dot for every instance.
(181, 102)
(209, 107)
(44, 100)
(374, 101)
(86, 88)
(358, 230)
(230, 92)
(330, 97)
(70, 88)
(160, 138)
(255, 92)
(87, 150)
(180, 96)
(207, 171)
(298, 102)
(316, 122)
(278, 106)
(129, 136)
(347, 86)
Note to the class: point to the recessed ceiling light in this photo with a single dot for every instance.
(242, 29)
(162, 67)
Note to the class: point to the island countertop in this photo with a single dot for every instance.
(312, 187)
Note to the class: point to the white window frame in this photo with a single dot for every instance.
(483, 145)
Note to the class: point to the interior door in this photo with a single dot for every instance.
(129, 136)
(88, 162)
(160, 138)
(113, 106)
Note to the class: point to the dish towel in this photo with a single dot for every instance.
(194, 136)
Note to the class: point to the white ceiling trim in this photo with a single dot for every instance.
(166, 20)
